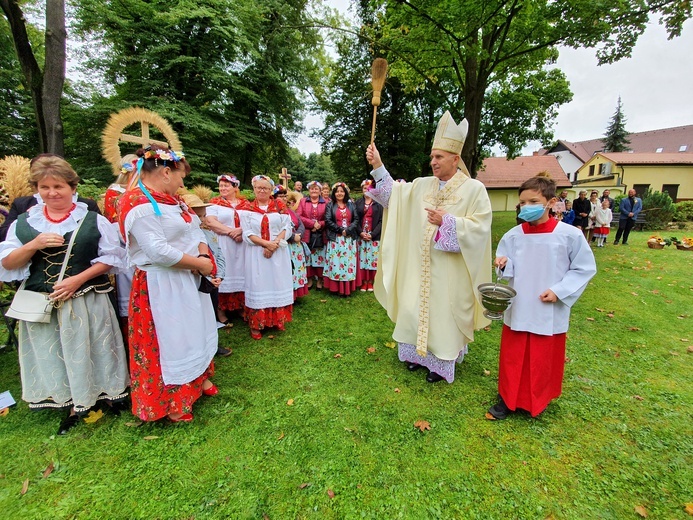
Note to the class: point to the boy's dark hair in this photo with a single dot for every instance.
(541, 183)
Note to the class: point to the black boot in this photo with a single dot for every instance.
(499, 410)
(67, 424)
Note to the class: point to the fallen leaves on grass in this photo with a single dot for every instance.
(598, 309)
(281, 436)
(487, 372)
(689, 508)
(290, 402)
(4, 412)
(639, 397)
(323, 301)
(641, 511)
(690, 348)
(337, 356)
(685, 340)
(135, 424)
(370, 350)
(422, 425)
(330, 493)
(48, 470)
(150, 437)
(305, 485)
(271, 336)
(93, 416)
(610, 315)
(390, 344)
(397, 390)
(634, 329)
(25, 487)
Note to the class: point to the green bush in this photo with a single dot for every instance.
(683, 211)
(659, 209)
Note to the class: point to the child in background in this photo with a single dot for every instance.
(549, 264)
(568, 214)
(199, 207)
(602, 222)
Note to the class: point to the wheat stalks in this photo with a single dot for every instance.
(203, 192)
(14, 177)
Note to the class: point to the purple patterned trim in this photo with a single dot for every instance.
(383, 188)
(407, 354)
(446, 239)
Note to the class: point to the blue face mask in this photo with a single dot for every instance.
(531, 212)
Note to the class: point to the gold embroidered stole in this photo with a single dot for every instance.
(439, 199)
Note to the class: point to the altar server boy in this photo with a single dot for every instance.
(549, 264)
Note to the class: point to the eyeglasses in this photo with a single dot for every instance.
(258, 188)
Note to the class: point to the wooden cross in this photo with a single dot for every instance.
(144, 140)
(285, 176)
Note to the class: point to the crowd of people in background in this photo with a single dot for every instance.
(174, 256)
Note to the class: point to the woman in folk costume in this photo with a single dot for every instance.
(549, 264)
(341, 256)
(311, 211)
(78, 357)
(269, 293)
(296, 246)
(110, 210)
(434, 253)
(173, 334)
(223, 218)
(370, 215)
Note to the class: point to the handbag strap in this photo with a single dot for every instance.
(69, 250)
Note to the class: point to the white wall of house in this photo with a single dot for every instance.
(569, 163)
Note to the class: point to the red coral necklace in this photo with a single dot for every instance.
(58, 220)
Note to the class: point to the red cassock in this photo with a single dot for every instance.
(531, 369)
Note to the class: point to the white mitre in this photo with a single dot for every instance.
(449, 135)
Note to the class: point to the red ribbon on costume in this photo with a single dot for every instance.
(135, 197)
(242, 204)
(273, 206)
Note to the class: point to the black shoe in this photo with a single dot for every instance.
(115, 407)
(624, 244)
(499, 410)
(67, 424)
(432, 377)
(224, 352)
(615, 242)
(412, 367)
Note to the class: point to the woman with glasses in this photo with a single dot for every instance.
(269, 293)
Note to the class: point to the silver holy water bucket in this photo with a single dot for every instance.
(495, 298)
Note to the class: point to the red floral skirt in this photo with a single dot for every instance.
(271, 317)
(366, 276)
(151, 398)
(231, 301)
(301, 291)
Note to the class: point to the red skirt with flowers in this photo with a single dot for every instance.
(151, 398)
(271, 317)
(231, 301)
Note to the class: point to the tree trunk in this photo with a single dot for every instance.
(474, 91)
(54, 74)
(46, 87)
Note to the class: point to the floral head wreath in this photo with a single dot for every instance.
(313, 183)
(279, 190)
(157, 155)
(229, 178)
(367, 184)
(262, 178)
(338, 184)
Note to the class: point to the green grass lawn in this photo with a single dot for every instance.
(620, 437)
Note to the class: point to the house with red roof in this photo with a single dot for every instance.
(573, 155)
(670, 172)
(502, 178)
